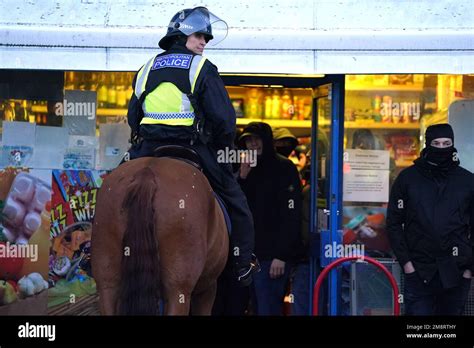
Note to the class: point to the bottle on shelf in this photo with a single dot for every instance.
(121, 92)
(111, 92)
(397, 117)
(386, 109)
(31, 115)
(102, 91)
(82, 78)
(268, 104)
(27, 107)
(25, 110)
(9, 111)
(376, 107)
(92, 83)
(276, 104)
(306, 105)
(287, 109)
(253, 104)
(21, 114)
(128, 86)
(69, 80)
(296, 111)
(300, 108)
(406, 117)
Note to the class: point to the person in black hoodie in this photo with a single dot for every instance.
(430, 222)
(273, 192)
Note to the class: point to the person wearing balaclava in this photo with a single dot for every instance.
(430, 221)
(287, 145)
(285, 142)
(273, 191)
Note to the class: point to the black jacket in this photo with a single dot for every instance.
(430, 221)
(273, 191)
(212, 99)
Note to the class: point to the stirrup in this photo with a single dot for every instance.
(246, 278)
(255, 263)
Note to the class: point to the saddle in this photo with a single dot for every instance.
(179, 152)
(191, 157)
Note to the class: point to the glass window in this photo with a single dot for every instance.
(385, 120)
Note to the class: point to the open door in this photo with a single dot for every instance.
(326, 195)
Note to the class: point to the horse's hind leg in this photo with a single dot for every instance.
(108, 284)
(176, 302)
(106, 258)
(108, 301)
(202, 302)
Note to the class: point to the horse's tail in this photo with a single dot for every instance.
(139, 291)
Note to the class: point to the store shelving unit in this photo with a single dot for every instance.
(392, 88)
(381, 125)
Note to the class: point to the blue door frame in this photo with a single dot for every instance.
(334, 196)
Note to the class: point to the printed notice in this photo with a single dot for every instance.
(366, 176)
(367, 159)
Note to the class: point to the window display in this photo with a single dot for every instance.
(390, 113)
(392, 109)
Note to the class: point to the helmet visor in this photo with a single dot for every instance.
(201, 20)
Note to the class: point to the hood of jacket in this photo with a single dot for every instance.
(264, 131)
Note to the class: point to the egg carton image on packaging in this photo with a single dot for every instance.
(23, 206)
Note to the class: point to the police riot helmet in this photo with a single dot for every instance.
(197, 20)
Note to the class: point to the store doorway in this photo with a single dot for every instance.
(317, 121)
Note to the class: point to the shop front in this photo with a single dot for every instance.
(359, 112)
(352, 118)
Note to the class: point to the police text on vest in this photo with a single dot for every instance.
(181, 61)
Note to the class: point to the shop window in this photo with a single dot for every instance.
(385, 120)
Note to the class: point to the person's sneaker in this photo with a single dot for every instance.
(244, 274)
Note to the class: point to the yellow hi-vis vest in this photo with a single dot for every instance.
(167, 104)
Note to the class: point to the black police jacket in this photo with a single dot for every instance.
(430, 221)
(213, 102)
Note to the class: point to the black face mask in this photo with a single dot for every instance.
(284, 150)
(441, 158)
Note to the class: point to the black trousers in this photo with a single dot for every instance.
(231, 298)
(223, 182)
(432, 299)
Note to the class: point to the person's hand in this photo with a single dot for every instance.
(467, 274)
(302, 161)
(277, 268)
(245, 168)
(408, 268)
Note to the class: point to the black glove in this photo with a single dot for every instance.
(134, 138)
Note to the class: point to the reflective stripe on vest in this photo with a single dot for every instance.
(142, 77)
(167, 105)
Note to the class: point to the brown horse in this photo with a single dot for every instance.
(158, 233)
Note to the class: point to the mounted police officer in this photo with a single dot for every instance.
(180, 99)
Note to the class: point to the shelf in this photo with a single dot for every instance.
(112, 112)
(381, 125)
(403, 164)
(323, 123)
(100, 112)
(414, 88)
(39, 108)
(276, 123)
